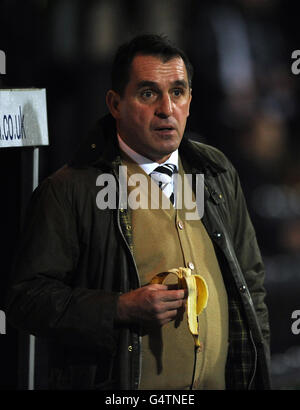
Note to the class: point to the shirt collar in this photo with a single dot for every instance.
(145, 163)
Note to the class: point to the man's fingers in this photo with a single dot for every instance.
(157, 286)
(168, 292)
(167, 316)
(167, 309)
(153, 302)
(170, 295)
(174, 304)
(164, 301)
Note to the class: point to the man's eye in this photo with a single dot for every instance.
(147, 94)
(178, 92)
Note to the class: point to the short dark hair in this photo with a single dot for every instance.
(146, 44)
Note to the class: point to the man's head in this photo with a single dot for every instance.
(148, 44)
(150, 95)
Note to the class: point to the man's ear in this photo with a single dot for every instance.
(113, 102)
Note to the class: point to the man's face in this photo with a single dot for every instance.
(152, 113)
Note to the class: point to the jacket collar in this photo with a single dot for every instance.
(101, 150)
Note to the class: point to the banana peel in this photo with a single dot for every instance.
(197, 295)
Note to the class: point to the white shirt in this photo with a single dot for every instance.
(145, 163)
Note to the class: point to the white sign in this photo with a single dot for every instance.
(2, 323)
(2, 62)
(23, 118)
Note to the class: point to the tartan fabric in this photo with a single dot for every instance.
(240, 360)
(241, 350)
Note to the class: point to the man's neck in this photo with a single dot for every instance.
(147, 163)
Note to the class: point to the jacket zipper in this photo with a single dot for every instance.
(139, 284)
(137, 277)
(251, 303)
(236, 264)
(255, 362)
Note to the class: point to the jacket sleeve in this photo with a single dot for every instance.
(249, 256)
(41, 299)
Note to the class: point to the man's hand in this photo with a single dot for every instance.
(154, 304)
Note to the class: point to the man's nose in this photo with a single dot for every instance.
(164, 108)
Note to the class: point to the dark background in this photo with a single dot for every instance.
(245, 102)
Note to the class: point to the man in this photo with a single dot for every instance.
(83, 273)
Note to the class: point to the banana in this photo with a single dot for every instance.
(197, 295)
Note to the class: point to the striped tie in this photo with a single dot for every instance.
(162, 175)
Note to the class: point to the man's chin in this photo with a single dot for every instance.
(163, 155)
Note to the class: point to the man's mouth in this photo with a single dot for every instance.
(164, 129)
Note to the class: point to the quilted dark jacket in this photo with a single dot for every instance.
(74, 260)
